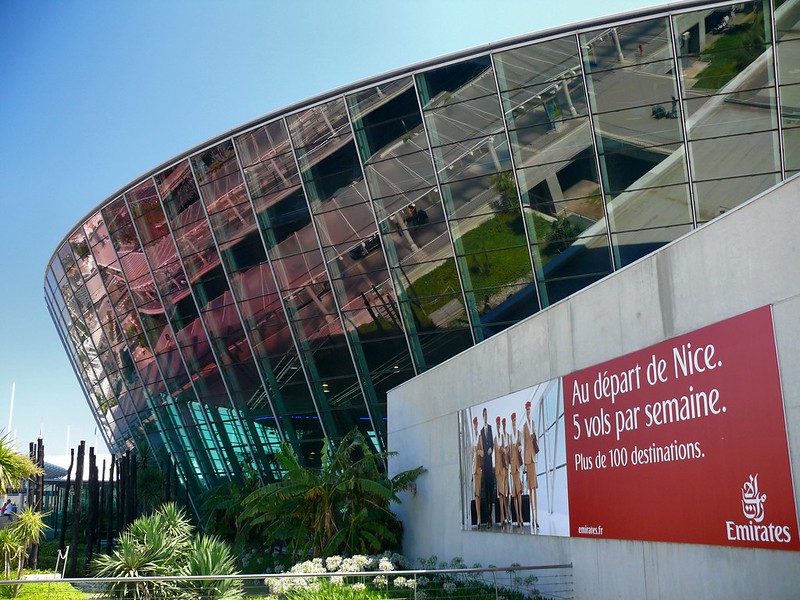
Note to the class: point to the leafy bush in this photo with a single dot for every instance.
(162, 544)
(342, 507)
(561, 236)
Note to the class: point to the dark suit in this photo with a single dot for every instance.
(487, 478)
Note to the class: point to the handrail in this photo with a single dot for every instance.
(288, 574)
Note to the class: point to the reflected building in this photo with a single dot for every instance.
(273, 284)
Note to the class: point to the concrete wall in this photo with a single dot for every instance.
(745, 259)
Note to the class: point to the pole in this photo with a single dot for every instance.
(11, 412)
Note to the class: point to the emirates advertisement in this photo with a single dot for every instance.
(684, 441)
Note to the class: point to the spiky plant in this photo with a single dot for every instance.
(162, 544)
(10, 548)
(136, 557)
(208, 554)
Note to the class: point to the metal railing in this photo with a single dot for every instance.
(515, 582)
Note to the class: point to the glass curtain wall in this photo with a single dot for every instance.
(274, 285)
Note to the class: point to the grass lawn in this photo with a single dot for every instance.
(730, 55)
(44, 590)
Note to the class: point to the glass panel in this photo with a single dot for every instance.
(633, 245)
(572, 186)
(285, 220)
(464, 121)
(485, 233)
(734, 156)
(482, 195)
(438, 346)
(387, 121)
(315, 130)
(629, 167)
(717, 197)
(346, 224)
(540, 63)
(731, 114)
(791, 144)
(570, 263)
(472, 158)
(725, 49)
(644, 43)
(460, 81)
(406, 173)
(648, 208)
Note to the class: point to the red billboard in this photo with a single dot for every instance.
(684, 441)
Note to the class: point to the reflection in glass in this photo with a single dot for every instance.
(300, 268)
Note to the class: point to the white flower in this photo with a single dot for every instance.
(449, 586)
(400, 582)
(423, 581)
(380, 580)
(385, 564)
(359, 587)
(337, 580)
(332, 563)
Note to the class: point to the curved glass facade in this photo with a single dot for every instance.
(273, 284)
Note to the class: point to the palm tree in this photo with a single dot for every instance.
(16, 538)
(27, 529)
(14, 467)
(343, 507)
(9, 549)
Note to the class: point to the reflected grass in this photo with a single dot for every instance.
(731, 54)
(485, 267)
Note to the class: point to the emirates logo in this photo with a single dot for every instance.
(753, 509)
(753, 500)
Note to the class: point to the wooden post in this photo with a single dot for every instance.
(32, 482)
(38, 501)
(62, 540)
(40, 454)
(132, 461)
(110, 506)
(100, 507)
(91, 506)
(168, 479)
(122, 479)
(72, 560)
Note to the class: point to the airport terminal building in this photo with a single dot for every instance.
(274, 283)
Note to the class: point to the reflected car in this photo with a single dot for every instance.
(365, 247)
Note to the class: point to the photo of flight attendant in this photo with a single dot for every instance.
(487, 474)
(501, 471)
(500, 462)
(477, 467)
(515, 454)
(530, 456)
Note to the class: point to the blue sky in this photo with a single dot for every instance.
(94, 94)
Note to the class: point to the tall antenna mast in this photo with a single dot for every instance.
(11, 413)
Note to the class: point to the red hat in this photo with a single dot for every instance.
(498, 418)
(513, 416)
(528, 404)
(504, 420)
(475, 420)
